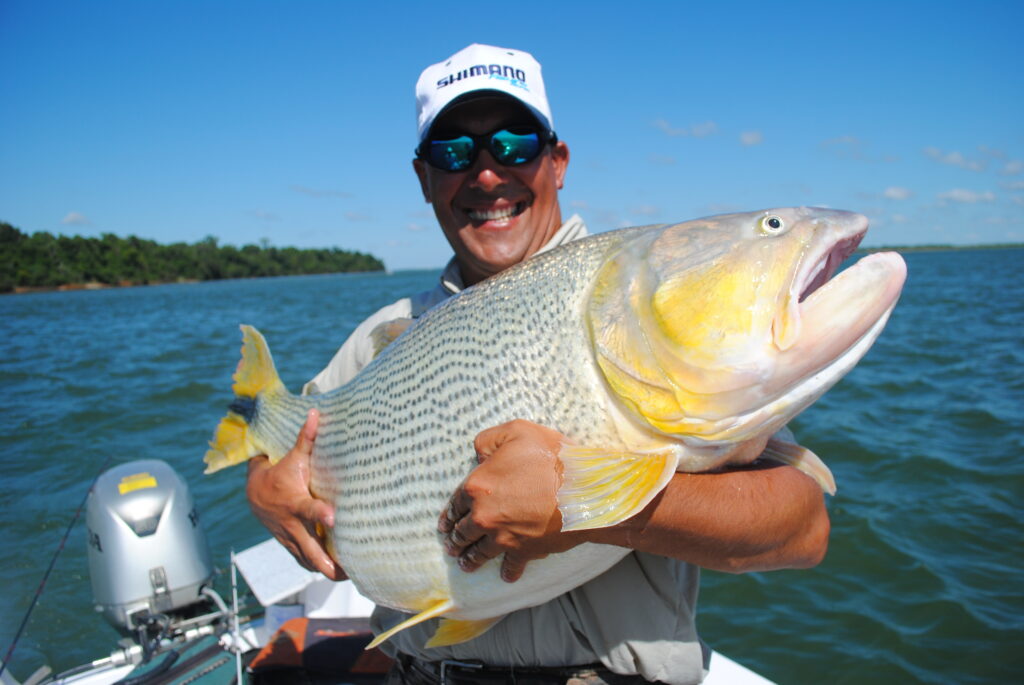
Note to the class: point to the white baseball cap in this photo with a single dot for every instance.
(481, 68)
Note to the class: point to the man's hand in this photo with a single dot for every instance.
(279, 496)
(507, 504)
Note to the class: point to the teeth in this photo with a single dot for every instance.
(496, 214)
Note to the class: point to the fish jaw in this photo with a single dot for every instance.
(840, 320)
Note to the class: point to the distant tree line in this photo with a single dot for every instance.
(45, 260)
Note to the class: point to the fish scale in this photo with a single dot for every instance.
(651, 349)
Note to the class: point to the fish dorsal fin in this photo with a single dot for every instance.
(384, 334)
(603, 487)
(432, 611)
(803, 459)
(452, 631)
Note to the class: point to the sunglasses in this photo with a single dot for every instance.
(510, 146)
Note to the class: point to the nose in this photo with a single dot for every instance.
(486, 174)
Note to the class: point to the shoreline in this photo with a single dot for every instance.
(96, 285)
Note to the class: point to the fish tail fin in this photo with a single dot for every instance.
(432, 611)
(802, 458)
(603, 487)
(254, 379)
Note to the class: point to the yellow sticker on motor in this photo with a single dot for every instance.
(136, 481)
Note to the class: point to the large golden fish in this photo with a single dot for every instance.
(654, 349)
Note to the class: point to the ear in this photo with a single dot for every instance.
(560, 158)
(422, 173)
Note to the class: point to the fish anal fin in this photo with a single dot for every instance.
(452, 631)
(603, 487)
(803, 459)
(433, 611)
(386, 333)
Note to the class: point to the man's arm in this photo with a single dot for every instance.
(758, 518)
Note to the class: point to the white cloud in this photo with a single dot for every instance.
(702, 130)
(662, 160)
(954, 159)
(897, 193)
(579, 204)
(265, 215)
(749, 138)
(76, 219)
(1014, 185)
(966, 196)
(313, 192)
(1013, 167)
(357, 216)
(415, 227)
(708, 128)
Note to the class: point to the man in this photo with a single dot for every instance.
(491, 167)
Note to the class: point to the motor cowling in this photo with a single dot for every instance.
(147, 552)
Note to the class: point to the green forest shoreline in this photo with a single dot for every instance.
(43, 262)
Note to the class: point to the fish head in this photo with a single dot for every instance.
(724, 328)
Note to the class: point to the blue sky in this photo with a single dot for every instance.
(294, 122)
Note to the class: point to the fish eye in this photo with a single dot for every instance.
(772, 225)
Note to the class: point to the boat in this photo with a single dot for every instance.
(152, 579)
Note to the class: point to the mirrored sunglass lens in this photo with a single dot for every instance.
(515, 148)
(454, 154)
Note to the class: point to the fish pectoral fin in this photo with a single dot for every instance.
(432, 611)
(452, 631)
(602, 487)
(802, 458)
(386, 333)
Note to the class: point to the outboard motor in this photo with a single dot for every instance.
(147, 553)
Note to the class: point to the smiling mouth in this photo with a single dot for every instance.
(499, 214)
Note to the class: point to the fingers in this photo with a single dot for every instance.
(456, 509)
(512, 568)
(307, 435)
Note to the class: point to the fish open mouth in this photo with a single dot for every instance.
(828, 264)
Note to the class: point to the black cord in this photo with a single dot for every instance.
(42, 582)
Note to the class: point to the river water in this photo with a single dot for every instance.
(923, 580)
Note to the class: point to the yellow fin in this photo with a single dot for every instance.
(386, 333)
(602, 487)
(452, 631)
(232, 443)
(803, 459)
(433, 611)
(255, 373)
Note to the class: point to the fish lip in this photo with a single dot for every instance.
(825, 262)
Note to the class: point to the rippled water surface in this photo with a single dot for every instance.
(923, 577)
